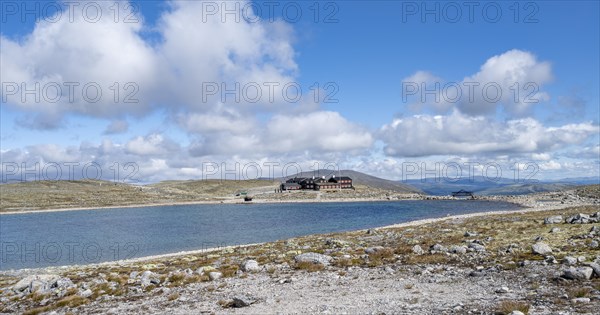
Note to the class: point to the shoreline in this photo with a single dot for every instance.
(268, 201)
(413, 223)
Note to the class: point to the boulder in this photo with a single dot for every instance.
(314, 258)
(250, 266)
(596, 268)
(541, 248)
(581, 273)
(553, 219)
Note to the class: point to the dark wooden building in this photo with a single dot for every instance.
(345, 182)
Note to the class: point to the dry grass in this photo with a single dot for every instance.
(506, 307)
(173, 296)
(579, 292)
(309, 266)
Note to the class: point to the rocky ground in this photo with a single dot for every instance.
(537, 262)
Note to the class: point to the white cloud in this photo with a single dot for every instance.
(511, 81)
(151, 145)
(319, 132)
(520, 77)
(458, 133)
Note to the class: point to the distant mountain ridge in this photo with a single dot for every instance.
(502, 186)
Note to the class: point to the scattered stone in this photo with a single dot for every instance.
(538, 238)
(214, 275)
(243, 301)
(85, 293)
(516, 313)
(503, 290)
(553, 219)
(438, 248)
(373, 250)
(418, 250)
(476, 273)
(477, 247)
(314, 258)
(250, 266)
(337, 243)
(458, 249)
(569, 260)
(554, 230)
(594, 244)
(581, 258)
(581, 273)
(579, 219)
(470, 234)
(205, 270)
(551, 259)
(541, 248)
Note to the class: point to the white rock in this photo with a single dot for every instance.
(314, 258)
(541, 248)
(553, 219)
(418, 250)
(250, 266)
(214, 275)
(580, 300)
(85, 293)
(569, 260)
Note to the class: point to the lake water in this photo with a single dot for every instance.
(89, 236)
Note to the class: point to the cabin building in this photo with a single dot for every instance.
(343, 181)
(290, 186)
(317, 183)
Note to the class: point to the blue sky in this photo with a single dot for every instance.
(363, 51)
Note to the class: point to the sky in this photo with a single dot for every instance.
(144, 91)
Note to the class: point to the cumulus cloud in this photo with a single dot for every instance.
(151, 145)
(108, 70)
(73, 67)
(511, 81)
(457, 133)
(322, 132)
